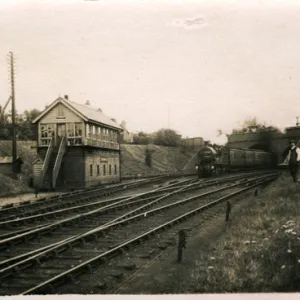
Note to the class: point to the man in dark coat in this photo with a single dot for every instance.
(293, 160)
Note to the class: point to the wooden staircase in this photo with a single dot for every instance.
(61, 151)
(52, 164)
(47, 181)
(45, 166)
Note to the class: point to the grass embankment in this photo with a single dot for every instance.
(260, 251)
(9, 186)
(164, 160)
(24, 150)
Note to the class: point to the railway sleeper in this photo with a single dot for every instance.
(24, 266)
(163, 246)
(61, 249)
(51, 287)
(116, 274)
(94, 237)
(127, 266)
(58, 267)
(71, 278)
(31, 276)
(70, 257)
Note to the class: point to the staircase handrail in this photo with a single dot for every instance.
(47, 160)
(60, 154)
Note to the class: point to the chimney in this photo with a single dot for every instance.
(87, 102)
(66, 97)
(99, 109)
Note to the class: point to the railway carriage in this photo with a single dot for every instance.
(211, 161)
(249, 157)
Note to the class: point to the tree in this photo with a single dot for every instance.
(141, 138)
(253, 125)
(5, 126)
(167, 137)
(25, 130)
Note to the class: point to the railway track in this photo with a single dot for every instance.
(29, 243)
(40, 206)
(21, 224)
(34, 240)
(57, 205)
(35, 206)
(117, 275)
(60, 262)
(108, 213)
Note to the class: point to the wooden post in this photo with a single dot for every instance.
(228, 209)
(36, 190)
(13, 110)
(181, 244)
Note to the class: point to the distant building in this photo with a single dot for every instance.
(192, 142)
(126, 136)
(77, 146)
(6, 163)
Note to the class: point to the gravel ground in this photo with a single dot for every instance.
(25, 197)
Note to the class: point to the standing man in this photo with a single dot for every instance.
(293, 159)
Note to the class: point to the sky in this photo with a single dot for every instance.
(192, 66)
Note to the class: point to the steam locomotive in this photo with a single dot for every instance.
(219, 160)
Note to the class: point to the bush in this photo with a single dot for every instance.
(167, 137)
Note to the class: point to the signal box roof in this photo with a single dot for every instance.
(85, 112)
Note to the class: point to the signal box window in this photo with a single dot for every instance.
(91, 170)
(116, 171)
(109, 169)
(104, 169)
(98, 170)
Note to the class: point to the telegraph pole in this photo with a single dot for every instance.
(13, 111)
(169, 115)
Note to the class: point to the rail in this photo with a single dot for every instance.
(60, 154)
(88, 265)
(111, 205)
(46, 161)
(11, 210)
(127, 218)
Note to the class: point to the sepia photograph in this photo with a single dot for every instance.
(149, 147)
